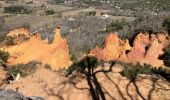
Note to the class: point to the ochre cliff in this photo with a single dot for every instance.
(112, 49)
(146, 49)
(55, 54)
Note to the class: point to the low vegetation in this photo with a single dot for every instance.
(115, 25)
(47, 66)
(167, 24)
(23, 69)
(86, 64)
(9, 41)
(17, 10)
(166, 56)
(56, 1)
(4, 56)
(132, 71)
(50, 12)
(2, 37)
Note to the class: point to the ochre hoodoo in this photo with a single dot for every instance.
(146, 49)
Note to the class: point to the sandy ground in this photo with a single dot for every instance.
(106, 83)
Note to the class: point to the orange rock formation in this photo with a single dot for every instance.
(55, 54)
(146, 49)
(112, 49)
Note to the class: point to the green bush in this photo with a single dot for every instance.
(50, 12)
(47, 66)
(4, 55)
(9, 41)
(58, 1)
(89, 62)
(164, 72)
(166, 24)
(115, 26)
(2, 37)
(16, 10)
(29, 2)
(92, 1)
(73, 58)
(91, 13)
(166, 56)
(23, 69)
(131, 71)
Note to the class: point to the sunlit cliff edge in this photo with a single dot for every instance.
(146, 49)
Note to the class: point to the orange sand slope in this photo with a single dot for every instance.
(55, 54)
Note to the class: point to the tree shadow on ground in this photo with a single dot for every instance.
(97, 91)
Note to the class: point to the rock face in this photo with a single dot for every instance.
(146, 49)
(112, 49)
(55, 54)
(12, 95)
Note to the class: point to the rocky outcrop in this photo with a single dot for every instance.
(12, 95)
(34, 49)
(112, 49)
(146, 49)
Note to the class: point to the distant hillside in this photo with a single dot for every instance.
(154, 5)
(136, 5)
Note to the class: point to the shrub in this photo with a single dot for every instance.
(89, 62)
(91, 13)
(4, 56)
(23, 69)
(166, 24)
(2, 21)
(9, 41)
(166, 56)
(115, 26)
(47, 66)
(165, 73)
(16, 10)
(49, 12)
(29, 2)
(58, 1)
(73, 58)
(2, 37)
(131, 71)
(94, 2)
